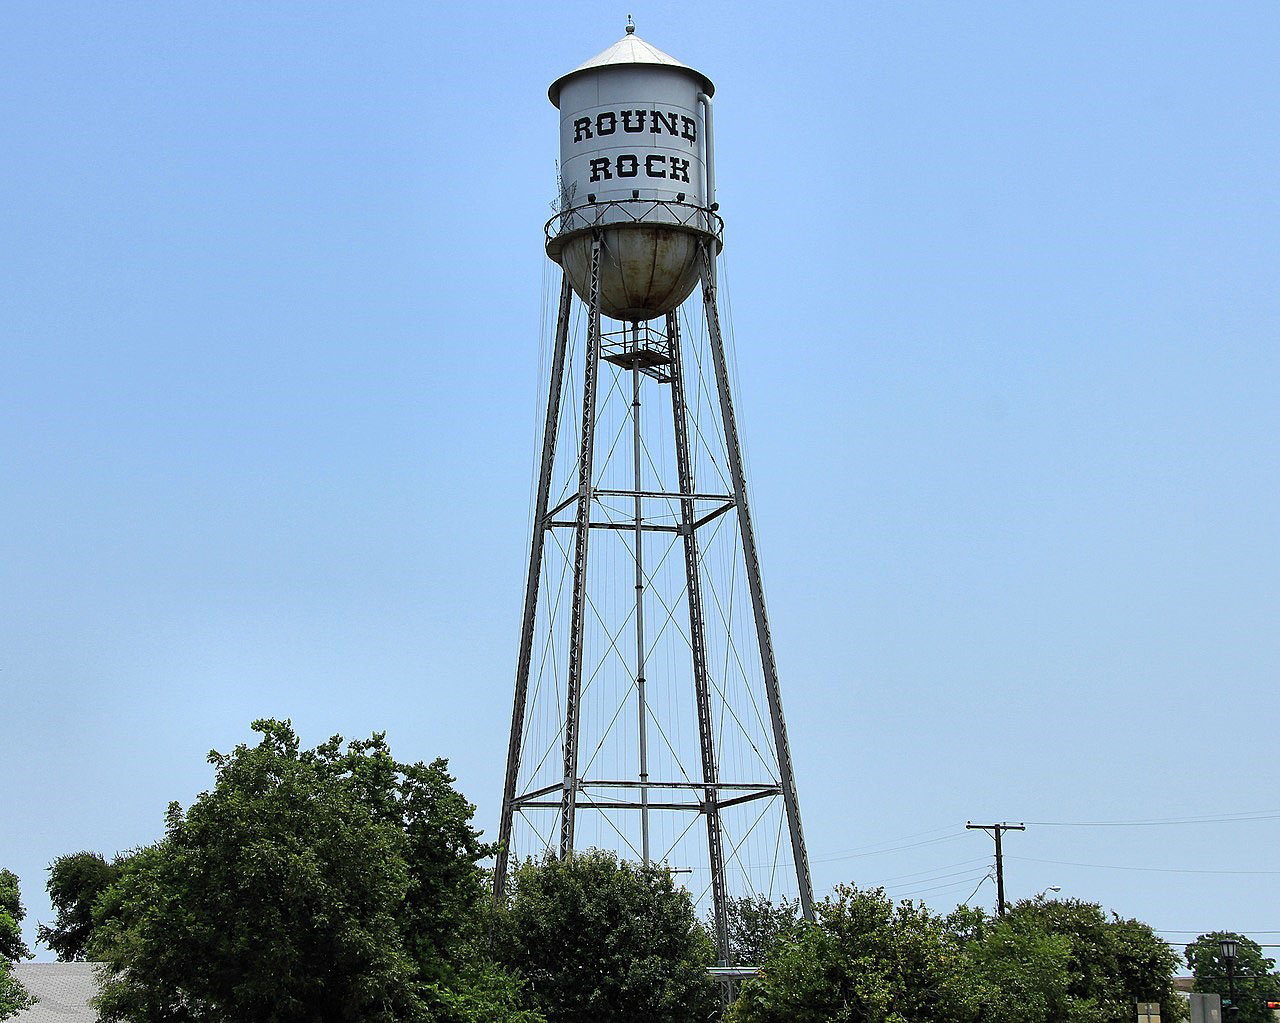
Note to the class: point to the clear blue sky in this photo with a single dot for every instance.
(1004, 281)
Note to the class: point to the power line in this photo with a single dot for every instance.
(881, 852)
(904, 842)
(975, 891)
(875, 848)
(929, 884)
(931, 870)
(1156, 870)
(935, 896)
(1209, 930)
(965, 877)
(1228, 818)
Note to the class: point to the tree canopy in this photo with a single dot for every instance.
(12, 913)
(1046, 961)
(76, 882)
(595, 938)
(863, 959)
(12, 995)
(755, 923)
(320, 885)
(1255, 977)
(1017, 974)
(1113, 962)
(336, 884)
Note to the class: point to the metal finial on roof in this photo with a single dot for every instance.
(631, 26)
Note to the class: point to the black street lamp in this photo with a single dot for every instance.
(1230, 948)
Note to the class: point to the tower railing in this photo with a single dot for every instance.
(643, 212)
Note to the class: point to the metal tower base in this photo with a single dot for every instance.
(642, 351)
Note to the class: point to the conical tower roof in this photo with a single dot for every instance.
(630, 49)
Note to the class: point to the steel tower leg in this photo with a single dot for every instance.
(549, 430)
(641, 706)
(698, 643)
(752, 562)
(582, 531)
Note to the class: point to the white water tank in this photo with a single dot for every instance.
(633, 170)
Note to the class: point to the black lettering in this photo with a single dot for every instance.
(626, 120)
(653, 166)
(658, 120)
(629, 166)
(606, 127)
(690, 127)
(600, 169)
(581, 129)
(679, 169)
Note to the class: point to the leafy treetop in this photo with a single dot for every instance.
(595, 938)
(755, 923)
(1255, 977)
(12, 994)
(869, 960)
(12, 913)
(307, 886)
(76, 882)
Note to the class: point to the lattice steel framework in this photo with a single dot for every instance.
(576, 677)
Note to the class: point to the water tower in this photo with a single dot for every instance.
(647, 696)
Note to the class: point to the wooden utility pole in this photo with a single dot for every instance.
(995, 830)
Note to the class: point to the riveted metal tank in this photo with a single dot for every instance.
(633, 171)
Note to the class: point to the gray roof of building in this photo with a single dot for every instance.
(63, 990)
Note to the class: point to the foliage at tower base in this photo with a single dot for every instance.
(12, 948)
(755, 923)
(869, 960)
(319, 885)
(599, 940)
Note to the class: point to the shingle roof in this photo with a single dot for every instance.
(63, 990)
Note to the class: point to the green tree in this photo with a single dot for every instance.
(598, 939)
(12, 994)
(755, 923)
(1017, 976)
(76, 882)
(865, 960)
(1255, 978)
(12, 913)
(1113, 962)
(308, 886)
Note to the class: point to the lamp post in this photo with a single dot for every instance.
(1230, 948)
